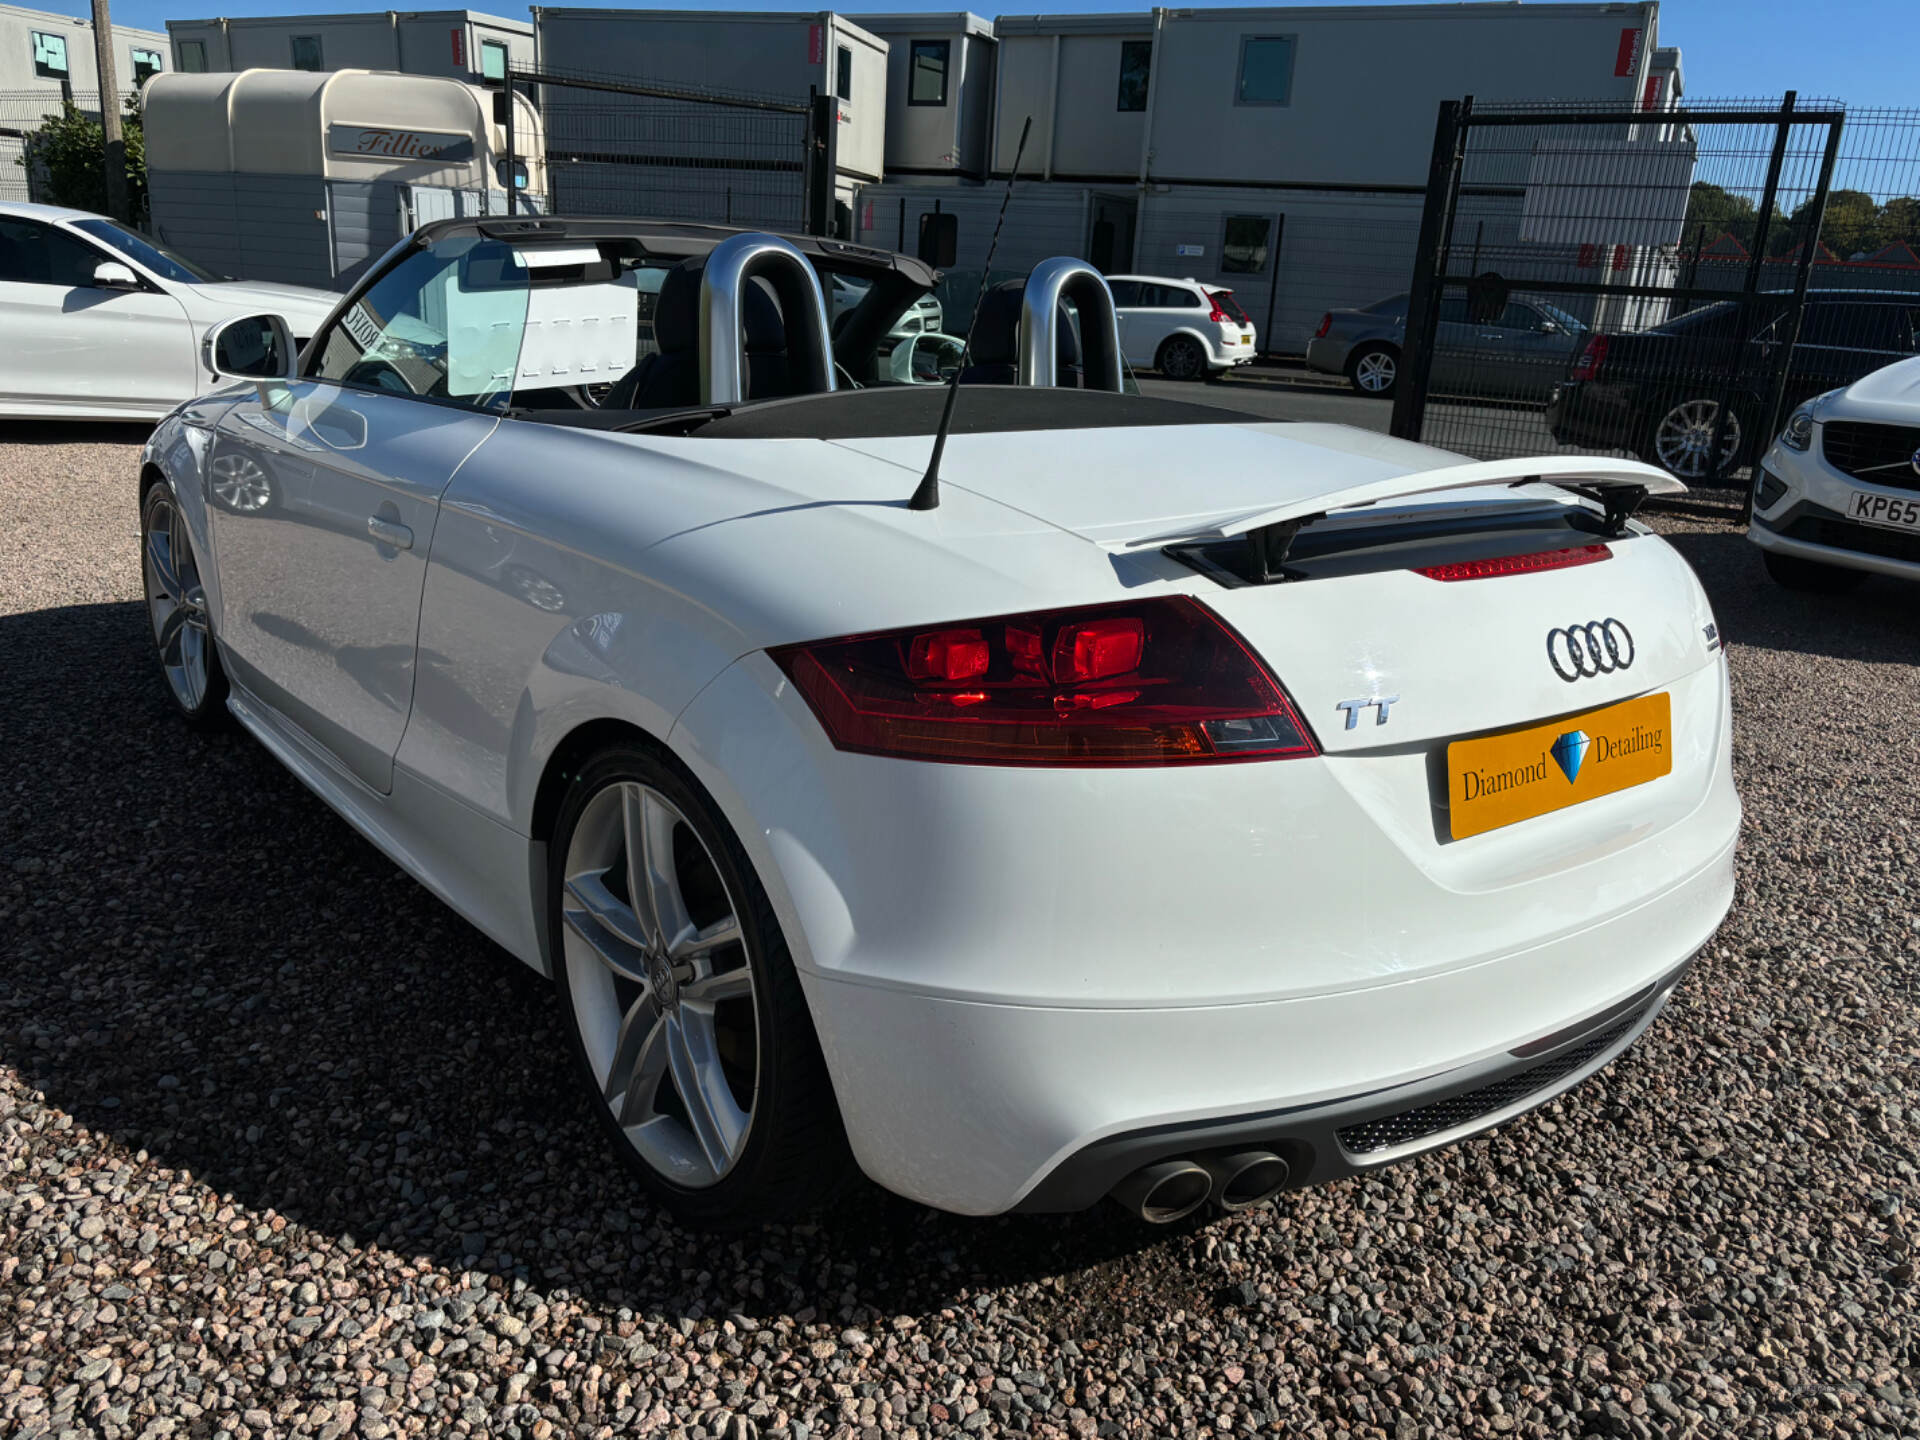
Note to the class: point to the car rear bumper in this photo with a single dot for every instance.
(1329, 356)
(1593, 416)
(1011, 968)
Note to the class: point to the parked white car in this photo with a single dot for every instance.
(102, 322)
(1837, 498)
(1182, 328)
(1082, 821)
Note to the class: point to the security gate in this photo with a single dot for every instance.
(630, 148)
(1599, 278)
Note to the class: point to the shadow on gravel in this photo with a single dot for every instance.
(75, 432)
(1874, 623)
(206, 964)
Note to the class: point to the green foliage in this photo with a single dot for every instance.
(70, 149)
(1855, 223)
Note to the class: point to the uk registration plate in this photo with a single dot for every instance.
(1497, 780)
(1894, 512)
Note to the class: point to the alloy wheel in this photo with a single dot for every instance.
(240, 483)
(1684, 438)
(176, 600)
(660, 983)
(1181, 360)
(1375, 372)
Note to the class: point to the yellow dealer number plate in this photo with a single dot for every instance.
(1502, 779)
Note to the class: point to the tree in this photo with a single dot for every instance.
(1900, 221)
(1713, 212)
(71, 148)
(1850, 226)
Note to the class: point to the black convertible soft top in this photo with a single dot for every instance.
(979, 410)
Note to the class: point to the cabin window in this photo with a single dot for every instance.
(306, 52)
(50, 56)
(193, 56)
(843, 79)
(493, 60)
(1136, 64)
(1243, 247)
(927, 72)
(146, 64)
(1266, 70)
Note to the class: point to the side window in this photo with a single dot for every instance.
(1136, 65)
(1186, 299)
(36, 254)
(304, 51)
(1453, 310)
(1853, 327)
(1266, 70)
(1520, 317)
(493, 60)
(927, 72)
(193, 56)
(50, 56)
(444, 324)
(146, 64)
(843, 74)
(1125, 292)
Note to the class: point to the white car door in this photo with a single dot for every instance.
(325, 494)
(74, 346)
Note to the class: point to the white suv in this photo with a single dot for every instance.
(1837, 498)
(1182, 328)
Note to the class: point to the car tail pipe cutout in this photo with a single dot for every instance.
(1049, 283)
(1245, 1178)
(734, 264)
(1164, 1192)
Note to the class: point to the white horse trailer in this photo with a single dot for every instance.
(299, 176)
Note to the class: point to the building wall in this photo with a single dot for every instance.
(17, 27)
(945, 139)
(1069, 83)
(415, 42)
(1367, 83)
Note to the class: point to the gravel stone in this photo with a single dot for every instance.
(374, 1204)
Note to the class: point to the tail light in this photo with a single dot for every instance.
(1326, 324)
(1592, 356)
(1516, 564)
(1150, 682)
(1216, 314)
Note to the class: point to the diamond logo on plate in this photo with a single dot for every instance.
(1570, 752)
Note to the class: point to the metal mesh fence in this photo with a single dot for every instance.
(614, 147)
(1628, 282)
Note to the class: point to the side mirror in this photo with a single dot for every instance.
(112, 275)
(253, 347)
(1551, 327)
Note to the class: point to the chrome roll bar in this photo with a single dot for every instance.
(1050, 282)
(731, 266)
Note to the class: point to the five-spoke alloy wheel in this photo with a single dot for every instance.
(1374, 370)
(177, 607)
(683, 1004)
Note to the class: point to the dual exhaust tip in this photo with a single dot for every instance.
(1170, 1190)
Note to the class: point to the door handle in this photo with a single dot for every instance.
(387, 532)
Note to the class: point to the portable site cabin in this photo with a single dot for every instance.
(297, 176)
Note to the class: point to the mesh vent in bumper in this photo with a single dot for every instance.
(1389, 1132)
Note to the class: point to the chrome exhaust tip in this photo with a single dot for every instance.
(1245, 1178)
(1164, 1192)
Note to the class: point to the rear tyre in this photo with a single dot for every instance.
(1815, 577)
(177, 611)
(1374, 370)
(687, 1021)
(1680, 435)
(1181, 358)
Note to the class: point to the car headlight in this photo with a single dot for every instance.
(1799, 432)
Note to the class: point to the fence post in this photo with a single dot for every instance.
(1749, 288)
(513, 205)
(823, 146)
(1423, 297)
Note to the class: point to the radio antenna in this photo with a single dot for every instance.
(927, 495)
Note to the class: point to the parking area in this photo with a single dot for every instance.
(290, 1150)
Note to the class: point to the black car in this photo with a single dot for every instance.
(1657, 392)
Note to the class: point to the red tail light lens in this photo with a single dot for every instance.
(1326, 324)
(1150, 682)
(1592, 356)
(1516, 564)
(1216, 314)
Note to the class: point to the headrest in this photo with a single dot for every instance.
(676, 314)
(760, 318)
(996, 334)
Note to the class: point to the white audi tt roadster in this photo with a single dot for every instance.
(1091, 796)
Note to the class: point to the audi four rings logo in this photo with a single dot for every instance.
(1598, 647)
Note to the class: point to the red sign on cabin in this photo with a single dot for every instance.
(1628, 52)
(459, 49)
(816, 44)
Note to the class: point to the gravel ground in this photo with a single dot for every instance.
(289, 1150)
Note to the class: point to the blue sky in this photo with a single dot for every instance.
(1864, 52)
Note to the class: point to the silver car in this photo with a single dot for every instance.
(1518, 358)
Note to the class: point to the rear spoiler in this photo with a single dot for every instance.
(1616, 486)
